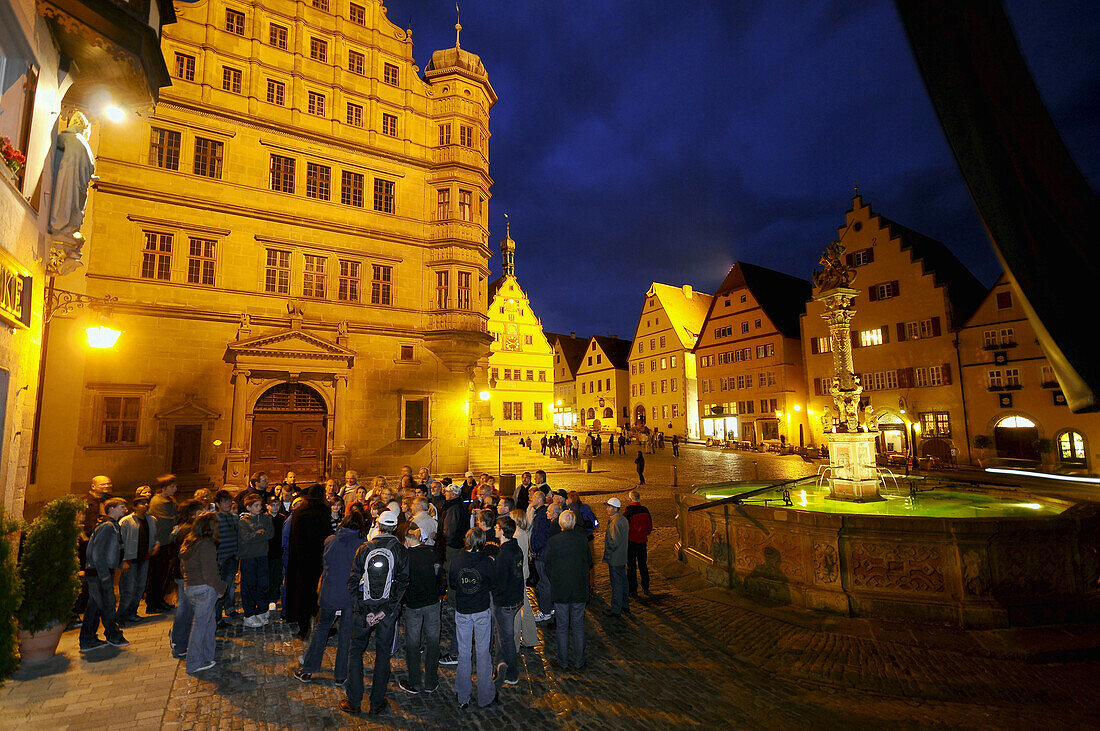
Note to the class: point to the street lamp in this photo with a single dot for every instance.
(102, 337)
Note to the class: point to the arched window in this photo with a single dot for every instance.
(1071, 447)
(1015, 422)
(591, 413)
(609, 413)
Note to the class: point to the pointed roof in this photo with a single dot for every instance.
(686, 309)
(782, 297)
(572, 348)
(291, 343)
(617, 350)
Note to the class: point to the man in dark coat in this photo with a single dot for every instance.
(567, 562)
(310, 525)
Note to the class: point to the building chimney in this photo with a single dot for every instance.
(687, 291)
(572, 334)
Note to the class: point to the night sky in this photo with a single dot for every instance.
(655, 140)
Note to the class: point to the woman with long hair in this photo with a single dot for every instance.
(202, 585)
(181, 622)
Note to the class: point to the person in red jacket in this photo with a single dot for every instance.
(641, 525)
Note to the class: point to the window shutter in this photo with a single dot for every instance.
(905, 378)
(872, 293)
(901, 332)
(855, 340)
(817, 386)
(849, 259)
(895, 289)
(947, 374)
(885, 329)
(935, 326)
(813, 346)
(870, 255)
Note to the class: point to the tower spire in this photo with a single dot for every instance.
(458, 26)
(507, 251)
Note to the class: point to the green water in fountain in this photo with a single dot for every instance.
(935, 499)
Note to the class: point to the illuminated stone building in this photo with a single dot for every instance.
(603, 380)
(913, 293)
(1012, 395)
(663, 386)
(569, 352)
(299, 247)
(751, 376)
(57, 58)
(521, 361)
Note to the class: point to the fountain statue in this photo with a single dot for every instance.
(854, 474)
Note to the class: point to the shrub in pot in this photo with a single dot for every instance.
(11, 594)
(48, 569)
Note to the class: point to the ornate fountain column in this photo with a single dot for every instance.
(853, 474)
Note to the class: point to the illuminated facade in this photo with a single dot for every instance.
(569, 351)
(521, 361)
(751, 374)
(913, 293)
(300, 252)
(603, 383)
(663, 385)
(1012, 396)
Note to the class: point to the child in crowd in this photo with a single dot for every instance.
(255, 529)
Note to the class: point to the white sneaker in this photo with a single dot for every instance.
(261, 620)
(251, 622)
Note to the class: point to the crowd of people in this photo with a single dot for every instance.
(362, 562)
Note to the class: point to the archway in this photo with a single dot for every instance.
(1070, 446)
(639, 415)
(1015, 437)
(893, 435)
(288, 433)
(937, 447)
(609, 413)
(591, 413)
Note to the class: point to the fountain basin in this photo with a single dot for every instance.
(952, 554)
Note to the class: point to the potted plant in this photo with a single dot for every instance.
(982, 442)
(49, 572)
(11, 594)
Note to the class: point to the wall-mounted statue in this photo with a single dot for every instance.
(74, 171)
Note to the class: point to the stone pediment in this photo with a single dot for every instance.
(289, 345)
(189, 410)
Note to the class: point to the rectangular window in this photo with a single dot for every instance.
(1004, 300)
(1012, 377)
(920, 377)
(383, 195)
(672, 384)
(185, 67)
(208, 158)
(389, 125)
(919, 329)
(935, 424)
(641, 367)
(355, 115)
(321, 4)
(407, 354)
(1046, 376)
(444, 134)
(313, 279)
(357, 14)
(664, 385)
(860, 258)
(120, 419)
(1008, 336)
(277, 272)
(415, 419)
(662, 341)
(463, 291)
(870, 337)
(381, 285)
(276, 92)
(390, 74)
(318, 181)
(282, 173)
(465, 205)
(351, 188)
(530, 375)
(348, 286)
(234, 22)
(357, 63)
(156, 258)
(442, 204)
(989, 339)
(277, 35)
(664, 364)
(528, 339)
(318, 49)
(442, 289)
(465, 135)
(675, 409)
(995, 379)
(316, 103)
(538, 411)
(744, 327)
(200, 262)
(232, 79)
(164, 149)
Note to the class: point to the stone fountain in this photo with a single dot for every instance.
(853, 474)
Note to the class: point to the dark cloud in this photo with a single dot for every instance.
(644, 140)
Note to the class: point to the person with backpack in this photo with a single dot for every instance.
(378, 579)
(471, 577)
(104, 555)
(339, 552)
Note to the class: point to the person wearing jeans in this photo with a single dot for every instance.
(227, 548)
(540, 534)
(508, 591)
(202, 585)
(104, 554)
(568, 561)
(614, 555)
(139, 532)
(471, 577)
(422, 613)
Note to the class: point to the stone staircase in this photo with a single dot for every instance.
(513, 458)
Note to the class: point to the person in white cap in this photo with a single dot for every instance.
(614, 555)
(379, 577)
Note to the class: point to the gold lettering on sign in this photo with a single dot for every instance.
(15, 290)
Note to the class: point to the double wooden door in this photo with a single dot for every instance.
(289, 442)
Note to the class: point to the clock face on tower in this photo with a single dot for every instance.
(511, 342)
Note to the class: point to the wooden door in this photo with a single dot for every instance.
(284, 443)
(186, 448)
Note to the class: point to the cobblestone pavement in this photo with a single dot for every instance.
(692, 656)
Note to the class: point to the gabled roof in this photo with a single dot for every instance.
(686, 310)
(964, 291)
(572, 348)
(617, 350)
(782, 297)
(494, 287)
